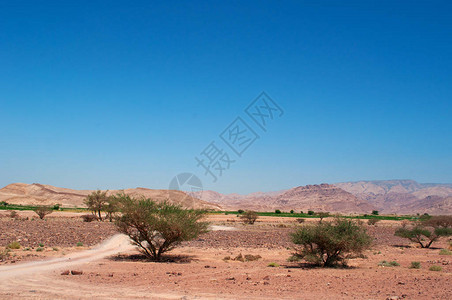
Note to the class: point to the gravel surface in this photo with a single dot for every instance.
(54, 232)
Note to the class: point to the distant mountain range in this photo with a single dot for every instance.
(386, 196)
(403, 196)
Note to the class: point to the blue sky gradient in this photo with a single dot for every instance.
(123, 94)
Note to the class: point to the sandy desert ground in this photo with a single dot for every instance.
(107, 266)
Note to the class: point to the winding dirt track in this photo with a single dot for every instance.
(37, 280)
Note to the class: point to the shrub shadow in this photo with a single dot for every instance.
(178, 259)
(305, 265)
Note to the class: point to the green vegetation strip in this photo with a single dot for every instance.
(304, 215)
(30, 207)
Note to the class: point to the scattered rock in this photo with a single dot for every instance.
(74, 272)
(65, 272)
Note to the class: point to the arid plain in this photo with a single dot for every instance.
(232, 261)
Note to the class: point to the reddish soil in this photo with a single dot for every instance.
(197, 269)
(53, 231)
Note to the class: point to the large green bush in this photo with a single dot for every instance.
(157, 227)
(329, 243)
(96, 202)
(426, 231)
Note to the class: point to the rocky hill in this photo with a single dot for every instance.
(403, 196)
(39, 194)
(323, 197)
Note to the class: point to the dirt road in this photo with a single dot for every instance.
(37, 280)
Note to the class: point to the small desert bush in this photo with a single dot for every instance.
(301, 220)
(294, 258)
(55, 249)
(322, 215)
(243, 258)
(79, 244)
(4, 253)
(249, 217)
(13, 214)
(89, 218)
(41, 245)
(250, 257)
(43, 211)
(13, 245)
(40, 249)
(435, 268)
(273, 265)
(385, 263)
(329, 243)
(372, 221)
(445, 252)
(415, 265)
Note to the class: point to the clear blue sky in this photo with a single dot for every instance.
(126, 94)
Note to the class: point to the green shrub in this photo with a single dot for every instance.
(240, 211)
(273, 265)
(291, 211)
(328, 243)
(427, 231)
(43, 211)
(445, 252)
(89, 218)
(277, 211)
(158, 227)
(311, 212)
(375, 212)
(39, 249)
(435, 268)
(385, 263)
(294, 258)
(41, 245)
(96, 202)
(323, 215)
(13, 245)
(249, 217)
(372, 221)
(55, 249)
(4, 253)
(79, 244)
(415, 265)
(250, 257)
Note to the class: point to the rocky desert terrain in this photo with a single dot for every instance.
(213, 266)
